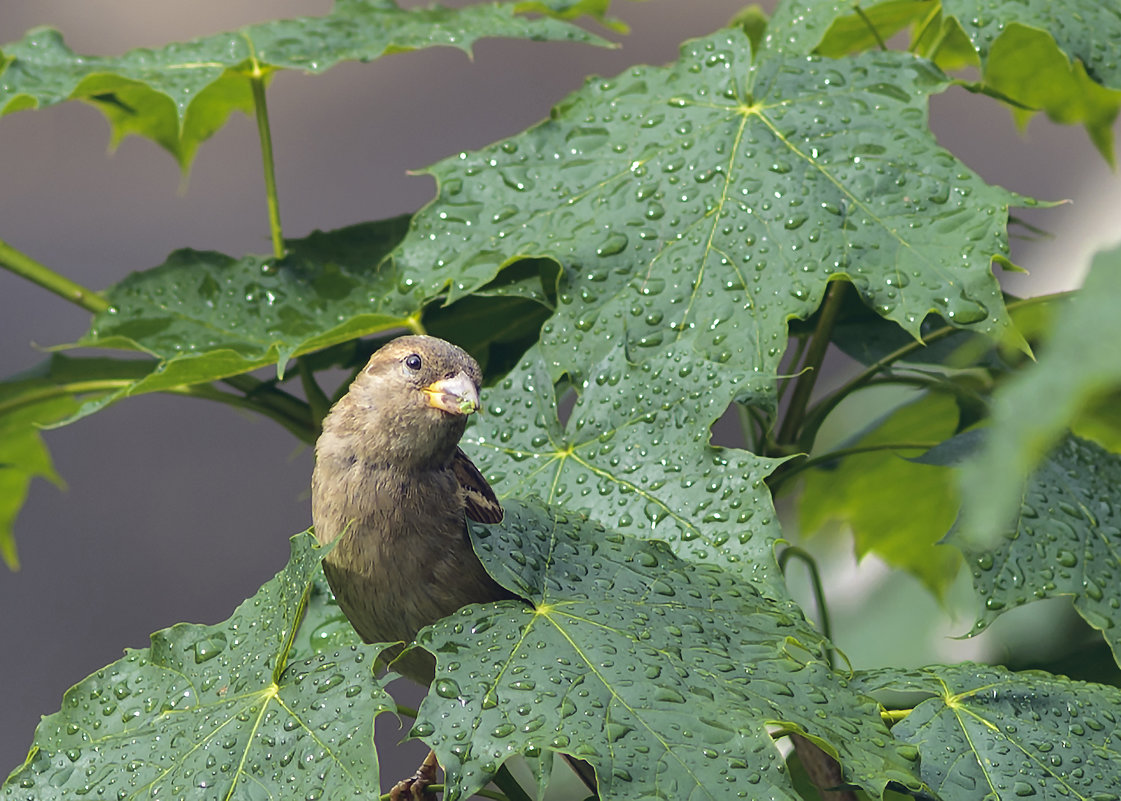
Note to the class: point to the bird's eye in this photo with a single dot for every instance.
(412, 362)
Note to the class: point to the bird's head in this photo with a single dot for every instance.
(414, 397)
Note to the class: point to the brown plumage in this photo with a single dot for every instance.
(391, 480)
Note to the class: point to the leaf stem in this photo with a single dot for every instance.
(864, 18)
(924, 27)
(747, 426)
(61, 390)
(893, 716)
(413, 323)
(811, 367)
(816, 416)
(316, 398)
(407, 711)
(781, 478)
(794, 552)
(260, 396)
(799, 349)
(264, 132)
(506, 782)
(26, 267)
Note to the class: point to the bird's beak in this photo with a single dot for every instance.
(456, 395)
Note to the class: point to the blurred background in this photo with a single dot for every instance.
(177, 510)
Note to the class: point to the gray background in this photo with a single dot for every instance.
(177, 509)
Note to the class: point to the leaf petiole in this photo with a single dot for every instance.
(26, 267)
(264, 132)
(811, 367)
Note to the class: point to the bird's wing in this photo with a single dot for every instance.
(479, 500)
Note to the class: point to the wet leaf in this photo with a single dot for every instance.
(665, 675)
(1027, 65)
(854, 33)
(1075, 371)
(696, 208)
(1065, 541)
(634, 455)
(1064, 58)
(181, 94)
(986, 732)
(1060, 58)
(217, 712)
(206, 316)
(895, 509)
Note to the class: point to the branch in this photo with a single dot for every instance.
(811, 367)
(264, 133)
(26, 267)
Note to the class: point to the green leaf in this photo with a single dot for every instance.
(324, 629)
(208, 316)
(698, 207)
(181, 94)
(1066, 540)
(797, 26)
(1077, 368)
(1063, 58)
(1026, 65)
(1100, 421)
(896, 509)
(217, 712)
(665, 675)
(634, 455)
(500, 321)
(986, 732)
(854, 33)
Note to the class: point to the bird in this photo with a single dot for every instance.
(392, 485)
(394, 489)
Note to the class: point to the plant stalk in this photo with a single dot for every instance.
(264, 132)
(794, 552)
(506, 782)
(864, 18)
(289, 411)
(811, 367)
(26, 267)
(318, 401)
(779, 479)
(266, 405)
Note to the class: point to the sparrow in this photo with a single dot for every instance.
(393, 487)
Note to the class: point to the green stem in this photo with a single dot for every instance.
(279, 406)
(747, 426)
(924, 27)
(893, 716)
(781, 478)
(864, 18)
(264, 404)
(506, 782)
(799, 349)
(413, 323)
(811, 367)
(316, 398)
(407, 711)
(816, 416)
(794, 552)
(26, 267)
(943, 34)
(62, 390)
(260, 107)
